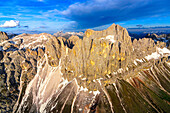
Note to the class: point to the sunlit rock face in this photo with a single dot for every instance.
(3, 36)
(103, 72)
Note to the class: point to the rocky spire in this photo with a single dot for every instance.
(3, 36)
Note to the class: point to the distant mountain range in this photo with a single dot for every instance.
(160, 30)
(136, 30)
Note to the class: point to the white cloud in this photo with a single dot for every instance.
(11, 23)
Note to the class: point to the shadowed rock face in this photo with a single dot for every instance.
(103, 72)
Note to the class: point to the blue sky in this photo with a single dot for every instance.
(77, 15)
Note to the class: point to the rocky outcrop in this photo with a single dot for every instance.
(3, 36)
(162, 38)
(103, 72)
(18, 65)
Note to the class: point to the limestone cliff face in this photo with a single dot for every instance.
(3, 36)
(18, 66)
(103, 72)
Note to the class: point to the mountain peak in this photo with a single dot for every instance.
(103, 72)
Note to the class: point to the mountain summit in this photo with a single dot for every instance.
(103, 72)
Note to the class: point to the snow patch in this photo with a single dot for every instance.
(154, 55)
(107, 75)
(120, 70)
(114, 73)
(64, 81)
(96, 92)
(135, 62)
(160, 53)
(94, 80)
(163, 51)
(83, 89)
(99, 80)
(53, 106)
(80, 76)
(80, 109)
(110, 38)
(139, 60)
(83, 79)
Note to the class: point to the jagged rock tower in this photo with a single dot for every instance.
(103, 72)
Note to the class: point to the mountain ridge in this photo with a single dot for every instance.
(103, 72)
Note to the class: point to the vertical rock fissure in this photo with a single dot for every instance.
(90, 48)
